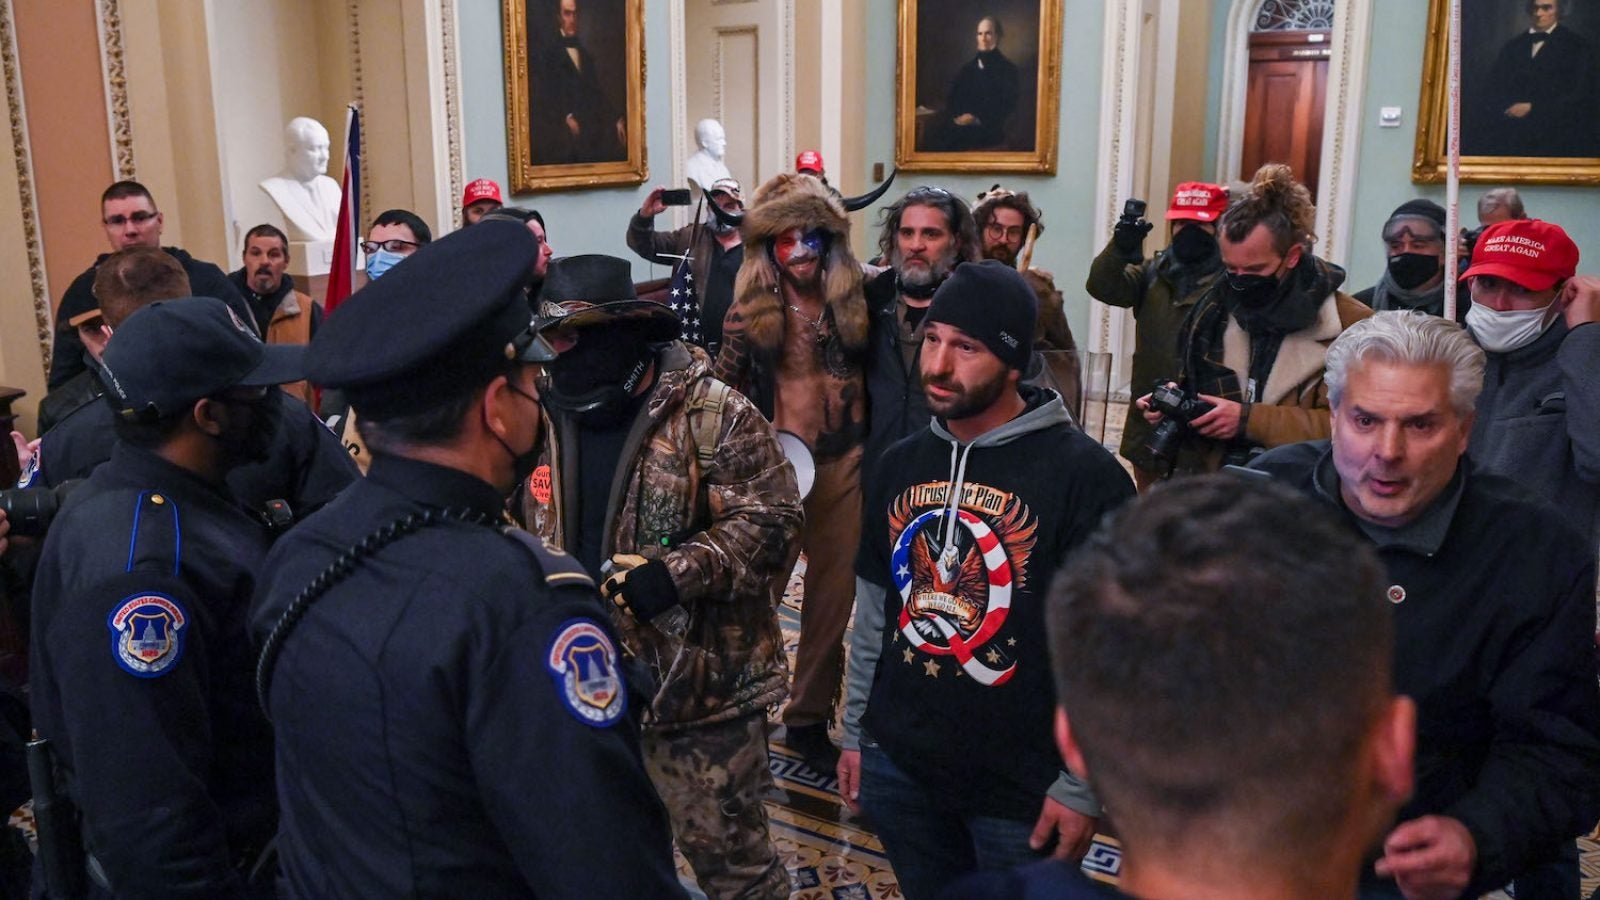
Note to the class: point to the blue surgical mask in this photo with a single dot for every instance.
(381, 262)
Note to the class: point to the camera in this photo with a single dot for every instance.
(1132, 212)
(30, 510)
(1180, 408)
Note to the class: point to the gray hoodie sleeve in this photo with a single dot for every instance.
(1576, 359)
(1075, 794)
(866, 643)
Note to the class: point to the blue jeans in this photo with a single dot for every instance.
(929, 843)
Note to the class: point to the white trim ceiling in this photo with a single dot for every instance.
(677, 72)
(1341, 132)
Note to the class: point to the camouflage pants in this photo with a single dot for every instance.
(712, 779)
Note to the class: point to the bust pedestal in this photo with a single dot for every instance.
(309, 264)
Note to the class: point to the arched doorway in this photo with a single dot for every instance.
(1286, 88)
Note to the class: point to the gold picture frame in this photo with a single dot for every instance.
(1489, 30)
(551, 149)
(939, 69)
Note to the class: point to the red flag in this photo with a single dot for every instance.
(342, 274)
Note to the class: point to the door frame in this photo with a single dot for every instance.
(1341, 128)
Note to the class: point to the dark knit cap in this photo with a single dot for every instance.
(1417, 209)
(991, 302)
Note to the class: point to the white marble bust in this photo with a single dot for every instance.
(706, 165)
(307, 197)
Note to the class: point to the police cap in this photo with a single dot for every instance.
(447, 318)
(170, 354)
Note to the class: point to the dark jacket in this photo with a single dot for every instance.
(170, 757)
(1494, 640)
(305, 465)
(703, 249)
(71, 396)
(66, 357)
(1049, 879)
(451, 718)
(1538, 420)
(1033, 489)
(1160, 294)
(896, 406)
(725, 519)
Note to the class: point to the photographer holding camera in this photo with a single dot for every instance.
(1252, 348)
(715, 249)
(1160, 292)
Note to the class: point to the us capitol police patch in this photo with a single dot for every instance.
(583, 662)
(147, 634)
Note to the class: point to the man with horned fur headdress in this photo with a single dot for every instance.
(793, 342)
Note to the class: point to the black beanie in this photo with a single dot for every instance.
(991, 302)
(1417, 209)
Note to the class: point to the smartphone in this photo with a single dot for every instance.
(678, 197)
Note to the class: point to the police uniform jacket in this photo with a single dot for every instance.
(450, 719)
(1494, 640)
(305, 465)
(141, 676)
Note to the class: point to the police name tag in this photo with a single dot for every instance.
(583, 662)
(147, 633)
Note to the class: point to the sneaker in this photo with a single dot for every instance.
(813, 745)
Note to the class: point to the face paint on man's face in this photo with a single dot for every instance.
(795, 245)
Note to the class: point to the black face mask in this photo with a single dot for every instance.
(1253, 291)
(251, 427)
(597, 377)
(522, 464)
(1193, 245)
(1410, 271)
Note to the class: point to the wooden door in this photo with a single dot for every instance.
(1288, 85)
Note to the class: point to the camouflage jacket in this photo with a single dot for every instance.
(725, 519)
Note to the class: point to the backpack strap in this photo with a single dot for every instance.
(707, 405)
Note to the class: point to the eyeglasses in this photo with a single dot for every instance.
(997, 230)
(393, 245)
(138, 218)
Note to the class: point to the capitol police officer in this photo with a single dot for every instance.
(141, 660)
(451, 714)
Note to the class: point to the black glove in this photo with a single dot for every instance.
(1128, 238)
(646, 590)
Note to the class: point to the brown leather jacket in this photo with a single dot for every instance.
(725, 519)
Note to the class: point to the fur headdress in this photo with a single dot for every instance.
(798, 201)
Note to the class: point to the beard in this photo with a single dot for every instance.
(965, 401)
(802, 280)
(922, 273)
(1001, 252)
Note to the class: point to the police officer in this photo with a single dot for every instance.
(450, 711)
(141, 660)
(299, 460)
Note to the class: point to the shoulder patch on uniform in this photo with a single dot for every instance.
(147, 632)
(584, 663)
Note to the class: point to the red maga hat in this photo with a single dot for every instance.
(1199, 201)
(809, 161)
(482, 189)
(1529, 252)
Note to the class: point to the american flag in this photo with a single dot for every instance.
(683, 299)
(342, 274)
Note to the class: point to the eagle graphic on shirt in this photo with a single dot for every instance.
(956, 579)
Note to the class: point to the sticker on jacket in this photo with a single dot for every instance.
(956, 574)
(583, 662)
(147, 632)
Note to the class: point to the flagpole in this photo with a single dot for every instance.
(1452, 190)
(342, 274)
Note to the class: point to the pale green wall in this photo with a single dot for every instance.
(1383, 179)
(587, 221)
(594, 221)
(1067, 199)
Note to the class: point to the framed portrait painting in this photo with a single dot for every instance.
(1530, 110)
(978, 87)
(574, 93)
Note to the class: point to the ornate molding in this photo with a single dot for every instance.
(452, 98)
(32, 234)
(352, 11)
(1119, 81)
(114, 69)
(1341, 133)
